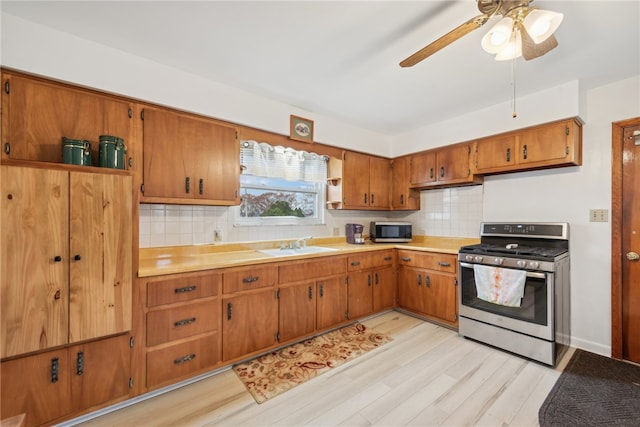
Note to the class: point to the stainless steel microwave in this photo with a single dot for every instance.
(390, 231)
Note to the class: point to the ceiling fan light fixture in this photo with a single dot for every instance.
(498, 37)
(541, 24)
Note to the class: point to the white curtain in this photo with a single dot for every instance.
(262, 159)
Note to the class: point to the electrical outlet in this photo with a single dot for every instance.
(598, 215)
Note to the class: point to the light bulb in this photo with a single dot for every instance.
(513, 49)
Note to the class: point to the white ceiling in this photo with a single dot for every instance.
(340, 58)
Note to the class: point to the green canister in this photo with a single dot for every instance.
(112, 152)
(76, 151)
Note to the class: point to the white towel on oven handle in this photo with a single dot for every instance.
(503, 286)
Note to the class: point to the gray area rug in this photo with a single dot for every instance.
(593, 390)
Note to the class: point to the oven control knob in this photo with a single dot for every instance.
(477, 258)
(468, 258)
(534, 264)
(498, 261)
(521, 263)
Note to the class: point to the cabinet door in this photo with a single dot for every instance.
(188, 157)
(38, 386)
(167, 141)
(410, 289)
(297, 315)
(379, 182)
(495, 153)
(383, 289)
(360, 294)
(331, 308)
(440, 296)
(548, 143)
(423, 168)
(35, 265)
(250, 323)
(40, 113)
(100, 371)
(100, 255)
(402, 196)
(355, 180)
(217, 163)
(453, 163)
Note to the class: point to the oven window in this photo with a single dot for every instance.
(533, 307)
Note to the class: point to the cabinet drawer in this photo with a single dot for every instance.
(182, 359)
(431, 261)
(242, 279)
(298, 271)
(182, 289)
(181, 322)
(367, 260)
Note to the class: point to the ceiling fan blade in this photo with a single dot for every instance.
(531, 50)
(445, 40)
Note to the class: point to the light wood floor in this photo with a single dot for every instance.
(427, 376)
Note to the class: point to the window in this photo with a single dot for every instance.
(281, 186)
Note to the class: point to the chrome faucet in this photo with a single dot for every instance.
(304, 242)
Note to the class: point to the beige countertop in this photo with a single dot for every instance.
(184, 259)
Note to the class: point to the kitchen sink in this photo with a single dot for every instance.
(300, 251)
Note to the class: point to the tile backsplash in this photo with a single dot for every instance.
(453, 212)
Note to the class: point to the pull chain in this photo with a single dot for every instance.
(514, 114)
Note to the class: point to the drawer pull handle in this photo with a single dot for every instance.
(355, 263)
(405, 258)
(388, 258)
(184, 322)
(185, 289)
(187, 358)
(250, 279)
(444, 264)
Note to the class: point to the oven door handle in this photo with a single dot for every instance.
(529, 273)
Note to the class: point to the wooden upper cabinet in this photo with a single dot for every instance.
(36, 114)
(495, 153)
(189, 159)
(365, 181)
(67, 257)
(544, 146)
(444, 166)
(422, 168)
(552, 144)
(403, 197)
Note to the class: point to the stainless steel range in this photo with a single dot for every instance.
(514, 289)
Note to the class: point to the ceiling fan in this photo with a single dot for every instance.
(523, 31)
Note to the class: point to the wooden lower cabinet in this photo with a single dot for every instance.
(182, 326)
(55, 384)
(249, 323)
(427, 285)
(384, 289)
(297, 310)
(371, 285)
(331, 307)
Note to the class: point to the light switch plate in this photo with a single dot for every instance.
(598, 215)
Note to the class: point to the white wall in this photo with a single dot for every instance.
(556, 195)
(41, 50)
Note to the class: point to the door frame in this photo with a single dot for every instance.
(617, 129)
